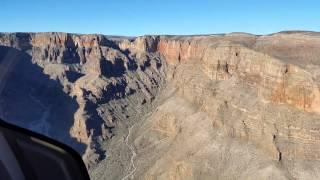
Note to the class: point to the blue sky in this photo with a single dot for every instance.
(140, 17)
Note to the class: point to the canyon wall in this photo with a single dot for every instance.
(248, 90)
(170, 107)
(82, 76)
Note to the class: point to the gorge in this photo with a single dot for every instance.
(222, 106)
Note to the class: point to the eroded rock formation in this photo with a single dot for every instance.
(234, 106)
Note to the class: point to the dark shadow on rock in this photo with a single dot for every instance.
(146, 64)
(114, 92)
(73, 76)
(95, 121)
(104, 41)
(132, 65)
(30, 99)
(116, 69)
(70, 54)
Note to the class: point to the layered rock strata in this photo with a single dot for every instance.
(171, 107)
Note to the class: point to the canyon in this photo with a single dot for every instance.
(220, 106)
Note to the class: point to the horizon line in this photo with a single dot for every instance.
(165, 34)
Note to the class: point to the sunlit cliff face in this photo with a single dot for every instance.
(224, 57)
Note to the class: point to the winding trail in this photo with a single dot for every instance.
(130, 146)
(134, 154)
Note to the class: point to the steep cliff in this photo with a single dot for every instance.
(230, 106)
(84, 79)
(257, 90)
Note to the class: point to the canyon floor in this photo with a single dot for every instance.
(220, 106)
